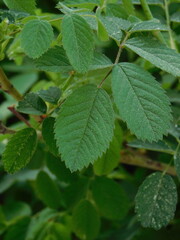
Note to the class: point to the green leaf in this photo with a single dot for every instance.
(115, 25)
(176, 17)
(51, 95)
(32, 104)
(60, 231)
(39, 222)
(110, 198)
(111, 158)
(18, 230)
(84, 127)
(150, 25)
(36, 37)
(58, 168)
(48, 134)
(54, 60)
(141, 101)
(78, 42)
(156, 201)
(160, 146)
(102, 32)
(156, 53)
(177, 162)
(48, 191)
(21, 5)
(19, 150)
(128, 5)
(76, 191)
(100, 61)
(85, 221)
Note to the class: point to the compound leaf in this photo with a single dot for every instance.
(36, 37)
(156, 53)
(141, 101)
(84, 127)
(156, 201)
(19, 150)
(78, 42)
(86, 221)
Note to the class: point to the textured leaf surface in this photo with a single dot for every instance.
(86, 222)
(48, 190)
(51, 95)
(110, 159)
(54, 60)
(100, 61)
(19, 150)
(21, 5)
(32, 104)
(156, 201)
(110, 198)
(148, 26)
(78, 42)
(48, 134)
(156, 53)
(36, 37)
(84, 127)
(141, 101)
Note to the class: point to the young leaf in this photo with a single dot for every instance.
(85, 221)
(36, 37)
(110, 198)
(156, 201)
(32, 104)
(51, 95)
(148, 26)
(156, 53)
(141, 101)
(84, 127)
(54, 60)
(48, 191)
(78, 42)
(48, 134)
(111, 157)
(21, 5)
(19, 150)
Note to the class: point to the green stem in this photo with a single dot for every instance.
(8, 87)
(146, 9)
(117, 58)
(68, 80)
(149, 16)
(172, 43)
